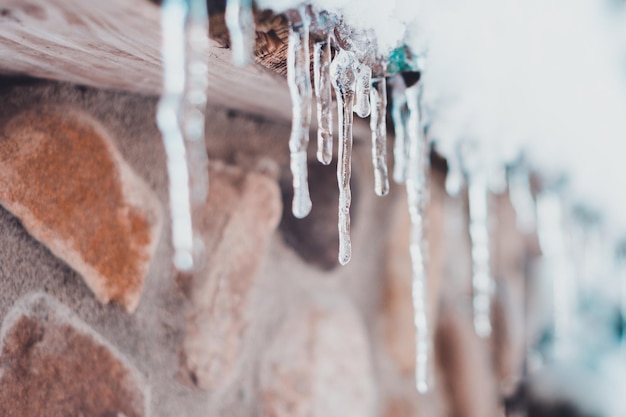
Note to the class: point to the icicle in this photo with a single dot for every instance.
(240, 22)
(552, 239)
(417, 196)
(482, 282)
(321, 71)
(378, 125)
(194, 117)
(454, 177)
(521, 197)
(497, 179)
(299, 80)
(343, 78)
(183, 103)
(398, 114)
(362, 96)
(620, 262)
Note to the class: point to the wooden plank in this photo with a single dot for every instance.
(115, 44)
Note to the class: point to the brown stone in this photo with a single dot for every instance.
(62, 177)
(51, 367)
(242, 213)
(465, 360)
(319, 365)
(399, 408)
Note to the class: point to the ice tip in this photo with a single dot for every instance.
(344, 259)
(301, 208)
(183, 261)
(482, 327)
(422, 387)
(324, 158)
(383, 190)
(345, 253)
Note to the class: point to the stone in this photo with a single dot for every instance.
(319, 364)
(243, 211)
(398, 407)
(61, 175)
(52, 365)
(465, 360)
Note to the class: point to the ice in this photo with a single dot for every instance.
(363, 83)
(378, 125)
(343, 78)
(482, 281)
(240, 22)
(398, 115)
(323, 94)
(194, 118)
(299, 81)
(557, 264)
(521, 197)
(180, 117)
(417, 197)
(454, 177)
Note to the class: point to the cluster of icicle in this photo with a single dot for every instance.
(358, 77)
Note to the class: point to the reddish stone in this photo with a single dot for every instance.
(242, 214)
(319, 365)
(51, 368)
(62, 177)
(467, 371)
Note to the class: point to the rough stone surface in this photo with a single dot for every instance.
(49, 366)
(242, 213)
(251, 313)
(467, 377)
(61, 175)
(319, 365)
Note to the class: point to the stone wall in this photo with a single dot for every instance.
(274, 327)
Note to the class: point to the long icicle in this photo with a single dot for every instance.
(454, 177)
(417, 197)
(398, 115)
(482, 281)
(240, 22)
(299, 81)
(323, 94)
(193, 119)
(181, 98)
(378, 126)
(552, 233)
(621, 275)
(343, 78)
(521, 196)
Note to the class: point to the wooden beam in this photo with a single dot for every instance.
(115, 44)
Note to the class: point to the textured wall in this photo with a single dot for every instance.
(273, 327)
